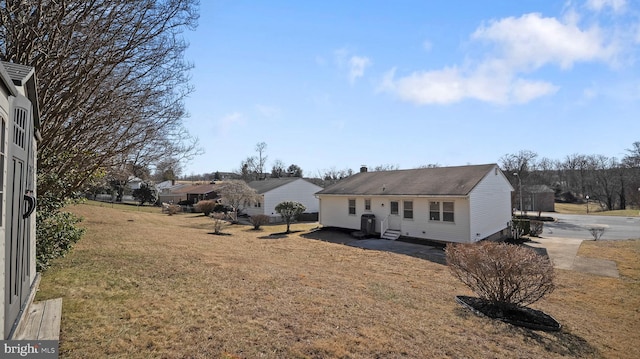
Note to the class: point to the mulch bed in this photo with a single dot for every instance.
(520, 316)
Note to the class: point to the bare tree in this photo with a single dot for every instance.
(278, 169)
(333, 175)
(111, 83)
(237, 195)
(261, 148)
(386, 167)
(430, 165)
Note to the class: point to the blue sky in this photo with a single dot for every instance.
(337, 84)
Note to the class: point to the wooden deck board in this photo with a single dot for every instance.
(50, 327)
(42, 322)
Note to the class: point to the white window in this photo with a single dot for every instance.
(352, 207)
(434, 211)
(447, 211)
(408, 209)
(367, 204)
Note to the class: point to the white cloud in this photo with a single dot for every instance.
(268, 111)
(524, 91)
(532, 41)
(354, 64)
(451, 85)
(427, 45)
(231, 120)
(357, 65)
(617, 6)
(517, 46)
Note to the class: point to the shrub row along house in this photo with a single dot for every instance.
(449, 204)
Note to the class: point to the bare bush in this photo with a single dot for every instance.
(597, 232)
(219, 220)
(536, 228)
(506, 275)
(259, 220)
(173, 209)
(206, 206)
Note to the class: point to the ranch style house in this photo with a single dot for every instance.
(461, 204)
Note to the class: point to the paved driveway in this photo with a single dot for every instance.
(577, 226)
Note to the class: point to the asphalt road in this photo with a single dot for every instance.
(577, 226)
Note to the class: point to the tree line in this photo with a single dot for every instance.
(608, 181)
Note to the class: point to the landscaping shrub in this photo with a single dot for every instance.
(145, 194)
(506, 275)
(205, 206)
(258, 220)
(221, 208)
(218, 222)
(597, 232)
(520, 227)
(536, 228)
(56, 233)
(289, 210)
(173, 209)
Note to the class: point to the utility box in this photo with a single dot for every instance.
(368, 223)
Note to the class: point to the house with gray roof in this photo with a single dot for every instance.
(272, 191)
(461, 204)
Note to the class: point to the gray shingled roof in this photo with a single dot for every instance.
(24, 76)
(269, 184)
(440, 181)
(18, 73)
(195, 189)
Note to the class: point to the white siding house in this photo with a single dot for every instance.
(450, 204)
(275, 190)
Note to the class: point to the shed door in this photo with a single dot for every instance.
(19, 182)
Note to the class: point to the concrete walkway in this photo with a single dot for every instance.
(564, 255)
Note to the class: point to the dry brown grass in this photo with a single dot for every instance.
(143, 285)
(572, 208)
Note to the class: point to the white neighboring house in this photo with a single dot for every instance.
(134, 182)
(449, 204)
(272, 191)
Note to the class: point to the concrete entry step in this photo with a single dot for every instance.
(391, 234)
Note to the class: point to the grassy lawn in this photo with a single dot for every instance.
(570, 208)
(148, 285)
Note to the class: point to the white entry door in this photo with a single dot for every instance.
(394, 215)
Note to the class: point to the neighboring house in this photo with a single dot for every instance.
(134, 182)
(19, 131)
(164, 185)
(272, 191)
(450, 204)
(536, 198)
(190, 193)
